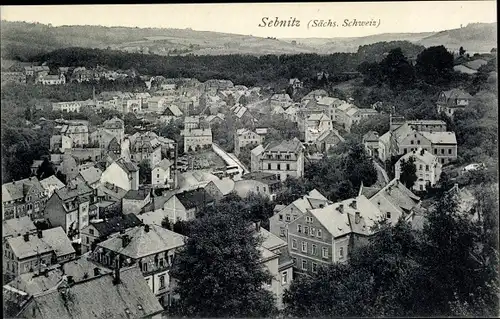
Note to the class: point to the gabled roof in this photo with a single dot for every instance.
(127, 166)
(271, 241)
(164, 164)
(116, 224)
(19, 189)
(371, 136)
(144, 243)
(51, 181)
(422, 155)
(74, 188)
(91, 175)
(292, 146)
(257, 150)
(456, 94)
(440, 137)
(194, 198)
(53, 239)
(395, 196)
(175, 110)
(318, 117)
(140, 194)
(330, 136)
(17, 226)
(99, 298)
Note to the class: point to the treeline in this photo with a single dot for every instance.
(241, 69)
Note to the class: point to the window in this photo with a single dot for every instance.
(405, 151)
(284, 278)
(257, 189)
(435, 151)
(280, 217)
(144, 267)
(318, 233)
(313, 231)
(314, 249)
(341, 252)
(282, 232)
(287, 217)
(86, 240)
(308, 219)
(426, 167)
(161, 263)
(299, 228)
(314, 267)
(411, 142)
(162, 281)
(287, 167)
(157, 175)
(278, 167)
(449, 151)
(306, 230)
(294, 260)
(324, 252)
(442, 151)
(388, 215)
(304, 264)
(442, 161)
(294, 243)
(304, 247)
(418, 142)
(269, 166)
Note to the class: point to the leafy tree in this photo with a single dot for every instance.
(461, 51)
(408, 174)
(46, 169)
(219, 271)
(396, 69)
(165, 223)
(144, 172)
(434, 64)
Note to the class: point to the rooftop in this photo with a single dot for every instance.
(422, 155)
(19, 189)
(127, 166)
(91, 175)
(440, 137)
(53, 239)
(17, 226)
(292, 146)
(164, 164)
(139, 194)
(116, 224)
(194, 198)
(74, 188)
(144, 243)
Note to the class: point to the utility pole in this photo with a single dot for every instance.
(175, 164)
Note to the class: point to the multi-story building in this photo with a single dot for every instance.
(145, 146)
(327, 235)
(60, 143)
(154, 259)
(78, 132)
(16, 227)
(161, 174)
(156, 104)
(26, 253)
(72, 207)
(428, 125)
(70, 106)
(450, 101)
(197, 139)
(316, 125)
(285, 158)
(244, 137)
(115, 126)
(35, 71)
(191, 122)
(122, 173)
(443, 145)
(283, 100)
(265, 184)
(184, 206)
(427, 166)
(370, 141)
(51, 184)
(100, 229)
(25, 197)
(278, 223)
(51, 79)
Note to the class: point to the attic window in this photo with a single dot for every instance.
(127, 311)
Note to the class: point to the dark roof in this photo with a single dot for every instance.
(116, 224)
(127, 166)
(139, 194)
(194, 198)
(266, 178)
(99, 297)
(75, 187)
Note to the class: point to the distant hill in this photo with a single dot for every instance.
(21, 40)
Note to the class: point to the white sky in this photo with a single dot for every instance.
(244, 18)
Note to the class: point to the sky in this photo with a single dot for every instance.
(243, 18)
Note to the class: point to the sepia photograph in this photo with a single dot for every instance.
(250, 160)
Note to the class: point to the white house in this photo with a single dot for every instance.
(427, 165)
(160, 174)
(123, 174)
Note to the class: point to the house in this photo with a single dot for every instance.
(51, 79)
(69, 106)
(102, 137)
(71, 207)
(281, 99)
(276, 259)
(123, 174)
(316, 125)
(172, 111)
(156, 104)
(35, 71)
(326, 235)
(60, 143)
(244, 137)
(242, 113)
(78, 132)
(135, 200)
(428, 125)
(295, 83)
(197, 139)
(427, 166)
(17, 227)
(101, 229)
(265, 184)
(145, 146)
(186, 205)
(191, 122)
(443, 145)
(25, 253)
(285, 158)
(50, 185)
(107, 192)
(278, 223)
(215, 118)
(91, 175)
(161, 174)
(328, 139)
(68, 166)
(394, 200)
(356, 115)
(25, 197)
(116, 126)
(93, 154)
(122, 294)
(370, 141)
(449, 102)
(152, 248)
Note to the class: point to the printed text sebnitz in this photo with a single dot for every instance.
(316, 23)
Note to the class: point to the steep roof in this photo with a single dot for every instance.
(53, 239)
(258, 150)
(19, 189)
(127, 166)
(164, 164)
(194, 198)
(116, 224)
(100, 298)
(144, 243)
(330, 136)
(17, 226)
(271, 241)
(51, 181)
(74, 188)
(371, 136)
(395, 195)
(139, 194)
(422, 155)
(91, 175)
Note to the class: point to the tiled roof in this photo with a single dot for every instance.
(51, 181)
(164, 164)
(19, 189)
(194, 198)
(127, 166)
(139, 194)
(144, 243)
(74, 188)
(395, 197)
(91, 175)
(422, 155)
(285, 146)
(17, 226)
(440, 137)
(109, 189)
(116, 224)
(99, 298)
(271, 241)
(53, 239)
(371, 136)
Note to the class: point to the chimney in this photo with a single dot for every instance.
(125, 241)
(357, 217)
(340, 208)
(97, 271)
(26, 237)
(257, 226)
(353, 204)
(39, 233)
(146, 228)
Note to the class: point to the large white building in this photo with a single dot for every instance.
(427, 165)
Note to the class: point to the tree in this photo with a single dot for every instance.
(461, 51)
(46, 169)
(396, 69)
(434, 64)
(145, 172)
(219, 271)
(408, 174)
(165, 223)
